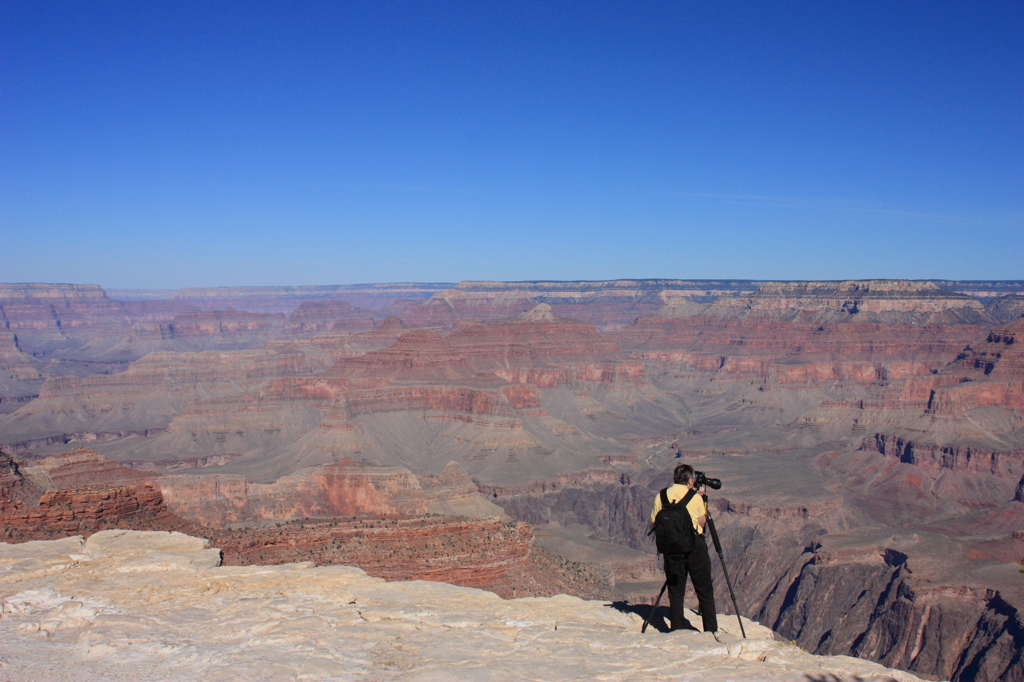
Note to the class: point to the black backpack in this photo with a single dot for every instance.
(673, 527)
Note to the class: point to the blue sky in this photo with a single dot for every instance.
(161, 145)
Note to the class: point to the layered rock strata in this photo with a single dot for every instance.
(373, 517)
(868, 301)
(330, 316)
(966, 420)
(148, 396)
(605, 304)
(78, 492)
(480, 384)
(476, 390)
(14, 489)
(341, 489)
(982, 289)
(53, 316)
(988, 372)
(282, 299)
(484, 553)
(80, 330)
(60, 513)
(19, 378)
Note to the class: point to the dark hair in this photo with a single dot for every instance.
(683, 474)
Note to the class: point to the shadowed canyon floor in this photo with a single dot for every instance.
(870, 435)
(157, 605)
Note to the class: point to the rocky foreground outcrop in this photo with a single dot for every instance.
(159, 606)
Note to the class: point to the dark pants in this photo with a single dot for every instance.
(698, 565)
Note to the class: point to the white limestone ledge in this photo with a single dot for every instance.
(158, 606)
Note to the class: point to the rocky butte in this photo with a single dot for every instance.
(160, 606)
(868, 433)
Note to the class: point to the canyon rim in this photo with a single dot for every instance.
(511, 436)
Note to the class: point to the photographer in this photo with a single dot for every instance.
(696, 563)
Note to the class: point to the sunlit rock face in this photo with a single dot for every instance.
(159, 606)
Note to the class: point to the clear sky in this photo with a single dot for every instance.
(168, 144)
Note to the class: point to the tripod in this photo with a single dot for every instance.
(718, 548)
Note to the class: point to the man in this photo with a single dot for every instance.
(696, 563)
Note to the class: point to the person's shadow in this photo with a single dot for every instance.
(659, 619)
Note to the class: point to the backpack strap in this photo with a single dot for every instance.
(687, 497)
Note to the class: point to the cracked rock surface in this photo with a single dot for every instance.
(158, 606)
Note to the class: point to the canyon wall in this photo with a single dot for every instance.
(872, 607)
(378, 518)
(52, 316)
(470, 552)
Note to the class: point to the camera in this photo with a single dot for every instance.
(699, 479)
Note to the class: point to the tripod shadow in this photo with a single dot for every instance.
(659, 619)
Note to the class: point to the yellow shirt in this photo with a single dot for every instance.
(695, 506)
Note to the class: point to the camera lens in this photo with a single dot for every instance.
(700, 479)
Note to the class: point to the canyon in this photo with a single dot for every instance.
(511, 436)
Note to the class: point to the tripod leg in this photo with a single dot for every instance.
(654, 608)
(718, 548)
